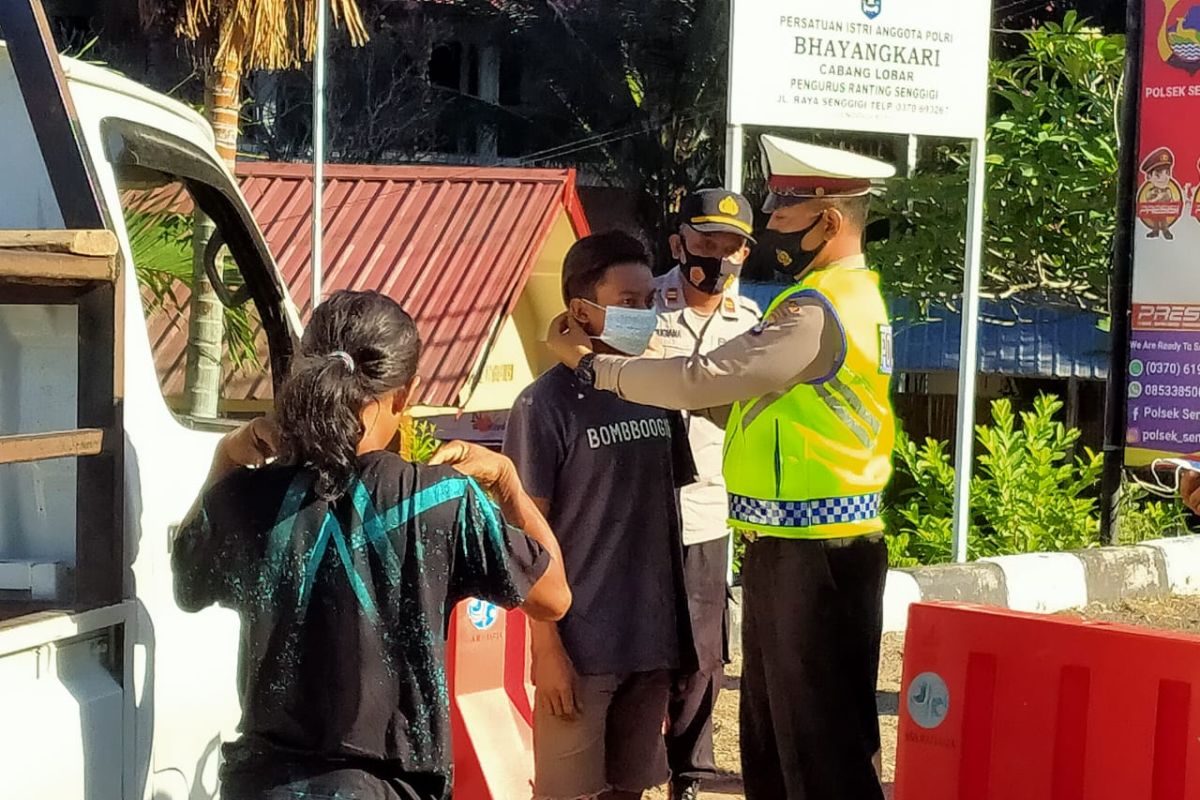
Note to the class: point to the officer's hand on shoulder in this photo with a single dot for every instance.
(493, 471)
(252, 444)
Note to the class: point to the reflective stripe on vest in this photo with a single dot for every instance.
(856, 404)
(840, 411)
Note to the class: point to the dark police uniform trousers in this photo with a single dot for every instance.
(694, 695)
(811, 632)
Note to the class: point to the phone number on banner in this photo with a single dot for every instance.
(1173, 368)
(1170, 390)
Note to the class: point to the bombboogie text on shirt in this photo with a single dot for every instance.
(627, 431)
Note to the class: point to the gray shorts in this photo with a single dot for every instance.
(616, 742)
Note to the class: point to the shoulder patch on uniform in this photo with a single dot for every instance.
(786, 310)
(886, 357)
(730, 307)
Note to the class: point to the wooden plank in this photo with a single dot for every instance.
(27, 625)
(34, 266)
(73, 242)
(43, 446)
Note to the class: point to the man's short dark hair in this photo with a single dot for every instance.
(590, 258)
(854, 209)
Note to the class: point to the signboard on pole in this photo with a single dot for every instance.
(1163, 376)
(886, 66)
(878, 66)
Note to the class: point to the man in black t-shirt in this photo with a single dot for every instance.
(604, 472)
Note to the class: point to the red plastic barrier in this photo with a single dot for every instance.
(998, 705)
(518, 666)
(493, 740)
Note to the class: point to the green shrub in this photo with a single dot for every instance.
(1029, 493)
(1140, 516)
(739, 552)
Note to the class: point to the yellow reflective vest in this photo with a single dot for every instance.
(811, 462)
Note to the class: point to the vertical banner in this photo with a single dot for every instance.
(1163, 378)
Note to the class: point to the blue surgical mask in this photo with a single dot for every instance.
(627, 330)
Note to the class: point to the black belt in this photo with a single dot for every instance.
(844, 541)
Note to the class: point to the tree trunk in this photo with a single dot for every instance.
(206, 323)
(206, 330)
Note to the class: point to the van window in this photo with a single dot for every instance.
(173, 242)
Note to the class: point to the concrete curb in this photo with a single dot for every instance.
(1124, 573)
(1039, 582)
(1043, 582)
(980, 582)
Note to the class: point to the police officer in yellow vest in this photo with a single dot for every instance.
(807, 455)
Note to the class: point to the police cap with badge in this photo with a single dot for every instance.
(717, 211)
(798, 172)
(1162, 158)
(710, 211)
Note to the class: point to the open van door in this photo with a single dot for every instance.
(118, 693)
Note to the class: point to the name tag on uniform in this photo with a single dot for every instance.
(886, 362)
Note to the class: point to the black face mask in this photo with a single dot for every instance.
(789, 257)
(706, 273)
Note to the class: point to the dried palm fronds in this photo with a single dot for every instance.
(271, 34)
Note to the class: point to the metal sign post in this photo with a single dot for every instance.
(968, 358)
(318, 127)
(735, 137)
(735, 157)
(1120, 284)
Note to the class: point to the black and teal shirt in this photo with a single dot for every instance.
(344, 608)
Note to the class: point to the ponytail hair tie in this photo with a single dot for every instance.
(345, 358)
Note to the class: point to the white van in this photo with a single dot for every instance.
(107, 689)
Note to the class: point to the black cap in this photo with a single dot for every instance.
(717, 211)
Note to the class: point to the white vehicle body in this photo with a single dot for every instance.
(80, 720)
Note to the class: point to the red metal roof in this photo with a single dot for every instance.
(454, 245)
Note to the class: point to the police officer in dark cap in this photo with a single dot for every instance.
(699, 309)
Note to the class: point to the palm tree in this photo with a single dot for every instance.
(234, 37)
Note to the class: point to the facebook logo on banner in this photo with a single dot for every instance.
(871, 8)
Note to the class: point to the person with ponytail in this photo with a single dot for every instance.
(344, 562)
